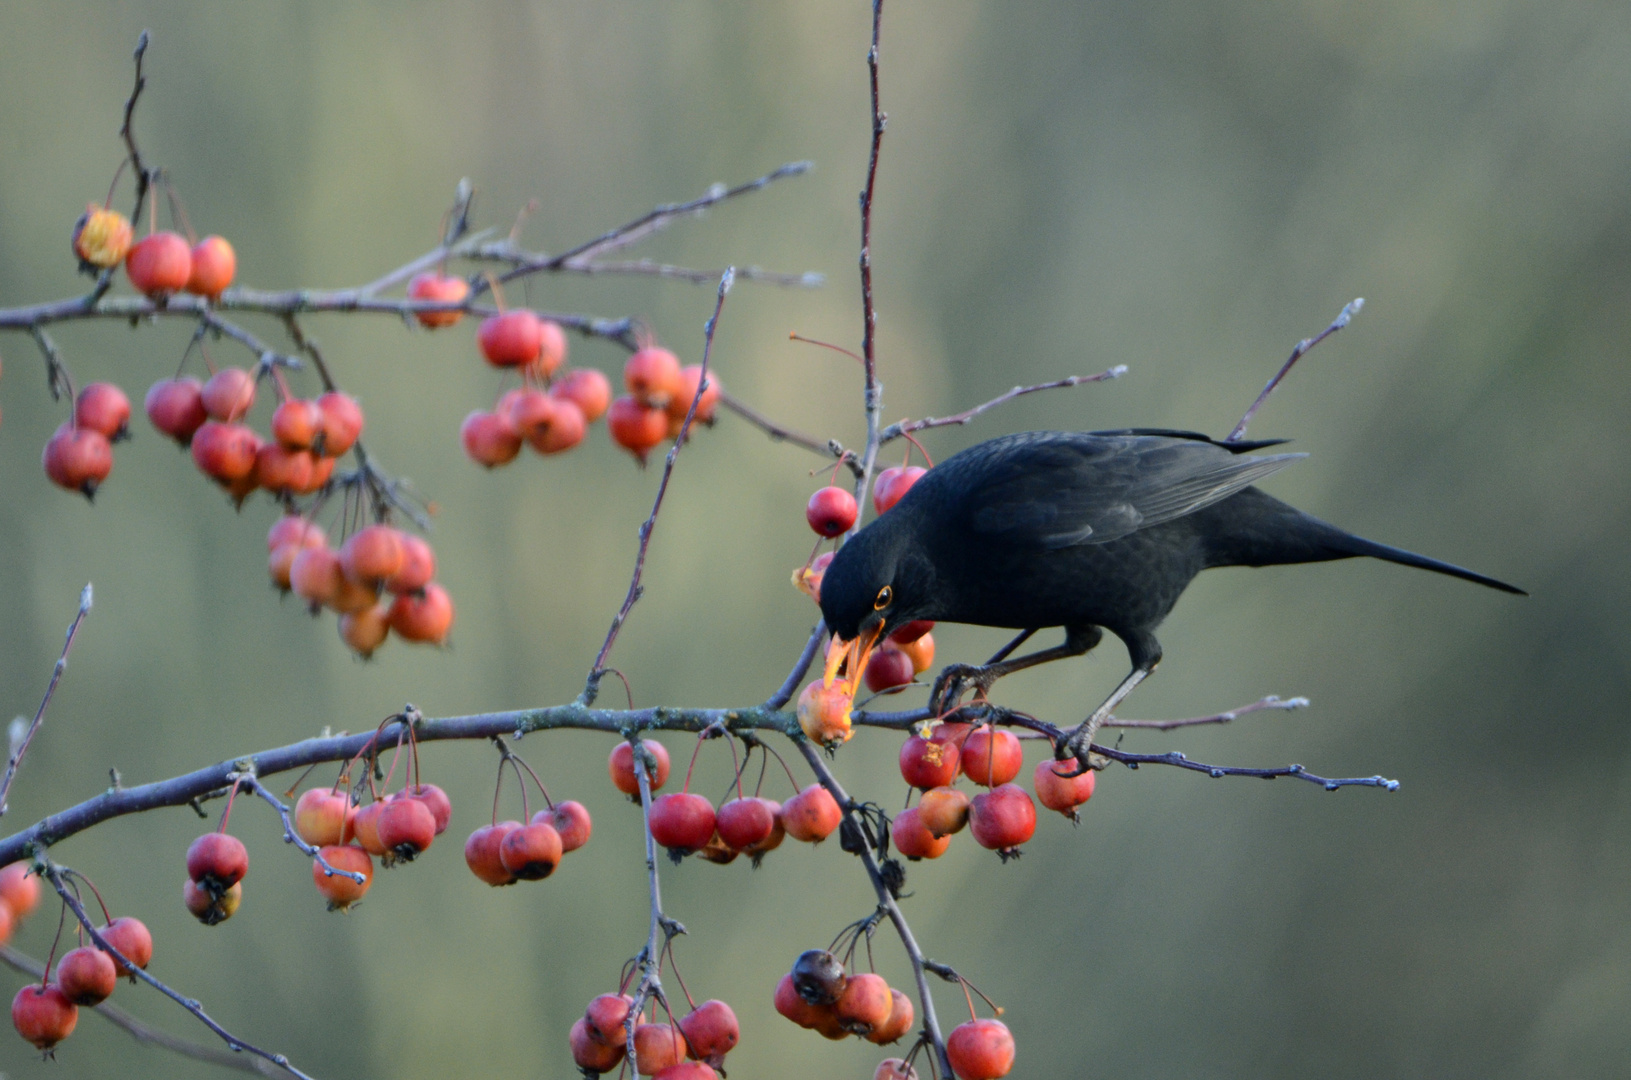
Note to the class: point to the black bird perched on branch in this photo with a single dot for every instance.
(1089, 532)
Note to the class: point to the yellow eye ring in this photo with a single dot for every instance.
(885, 595)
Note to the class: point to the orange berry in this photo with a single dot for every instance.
(591, 390)
(341, 892)
(686, 391)
(159, 264)
(297, 423)
(489, 439)
(426, 616)
(636, 427)
(621, 766)
(652, 375)
(551, 348)
(943, 811)
(443, 288)
(102, 237)
(372, 554)
(564, 429)
(913, 838)
(342, 422)
(365, 631)
(229, 394)
(981, 1050)
(823, 713)
(811, 815)
(214, 264)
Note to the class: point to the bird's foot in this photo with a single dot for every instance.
(955, 680)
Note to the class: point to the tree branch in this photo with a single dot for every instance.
(1303, 346)
(895, 431)
(16, 759)
(831, 449)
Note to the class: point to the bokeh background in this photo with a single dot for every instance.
(1186, 188)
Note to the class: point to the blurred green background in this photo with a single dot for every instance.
(1186, 188)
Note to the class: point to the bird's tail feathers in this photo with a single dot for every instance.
(1358, 545)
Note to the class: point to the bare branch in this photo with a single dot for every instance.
(16, 758)
(831, 449)
(1269, 702)
(790, 685)
(869, 313)
(292, 837)
(1343, 318)
(895, 431)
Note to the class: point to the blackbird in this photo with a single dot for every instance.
(1086, 531)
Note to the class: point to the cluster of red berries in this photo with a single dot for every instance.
(161, 263)
(373, 560)
(599, 1040)
(832, 511)
(216, 865)
(824, 709)
(505, 852)
(820, 995)
(46, 1012)
(79, 455)
(397, 828)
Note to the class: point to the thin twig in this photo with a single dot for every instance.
(292, 837)
(831, 449)
(895, 431)
(16, 759)
(54, 875)
(145, 1033)
(592, 684)
(1303, 346)
(790, 685)
(650, 959)
(869, 312)
(1269, 702)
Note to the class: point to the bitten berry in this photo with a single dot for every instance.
(102, 237)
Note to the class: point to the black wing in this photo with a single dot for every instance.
(1058, 489)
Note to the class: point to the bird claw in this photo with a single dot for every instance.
(954, 681)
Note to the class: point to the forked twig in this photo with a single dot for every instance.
(16, 758)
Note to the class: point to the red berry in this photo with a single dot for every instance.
(592, 1054)
(571, 821)
(1062, 793)
(176, 407)
(811, 815)
(920, 652)
(604, 1018)
(943, 811)
(992, 756)
(636, 427)
(364, 829)
(297, 423)
(892, 484)
(209, 907)
(981, 1050)
(320, 816)
(130, 938)
(406, 827)
(686, 391)
(342, 422)
(887, 668)
(214, 264)
(910, 632)
(621, 766)
(913, 838)
(777, 830)
(527, 410)
(1003, 818)
(657, 1046)
(86, 976)
(102, 236)
(588, 389)
(315, 575)
(225, 452)
(340, 891)
(78, 459)
(564, 429)
(365, 631)
(425, 617)
(229, 394)
(511, 339)
(481, 853)
(808, 579)
(824, 713)
(831, 512)
(418, 565)
(531, 852)
(489, 439)
(899, 1023)
(711, 1032)
(19, 890)
(894, 1069)
(791, 1004)
(551, 348)
(682, 821)
(218, 860)
(372, 554)
(279, 469)
(925, 763)
(43, 1015)
(688, 1070)
(652, 375)
(746, 823)
(445, 288)
(103, 408)
(435, 800)
(864, 1006)
(159, 264)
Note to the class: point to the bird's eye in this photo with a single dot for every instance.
(885, 595)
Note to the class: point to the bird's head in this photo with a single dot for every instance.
(876, 583)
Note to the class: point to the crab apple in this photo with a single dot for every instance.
(19, 890)
(86, 976)
(682, 821)
(603, 1019)
(343, 422)
(652, 375)
(527, 409)
(992, 756)
(899, 1023)
(981, 1050)
(943, 811)
(920, 652)
(442, 288)
(340, 891)
(176, 407)
(365, 631)
(688, 1070)
(104, 408)
(711, 1032)
(717, 851)
(811, 815)
(209, 907)
(297, 423)
(565, 429)
(296, 530)
(865, 1003)
(435, 800)
(791, 1004)
(925, 763)
(489, 439)
(531, 852)
(130, 938)
(481, 853)
(225, 452)
(571, 822)
(888, 667)
(1058, 792)
(686, 392)
(894, 1069)
(425, 617)
(511, 338)
(418, 565)
(913, 838)
(746, 822)
(831, 512)
(777, 831)
(279, 469)
(229, 394)
(906, 633)
(364, 829)
(892, 484)
(159, 264)
(43, 1015)
(321, 469)
(350, 597)
(952, 731)
(372, 554)
(102, 236)
(807, 579)
(621, 766)
(587, 388)
(217, 860)
(819, 977)
(8, 924)
(590, 1053)
(636, 427)
(315, 575)
(1003, 818)
(214, 265)
(78, 459)
(406, 828)
(551, 348)
(320, 816)
(657, 1046)
(823, 713)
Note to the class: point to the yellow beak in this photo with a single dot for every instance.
(854, 654)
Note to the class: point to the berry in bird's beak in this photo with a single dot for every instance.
(852, 656)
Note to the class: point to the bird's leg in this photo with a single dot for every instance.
(954, 678)
(1145, 653)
